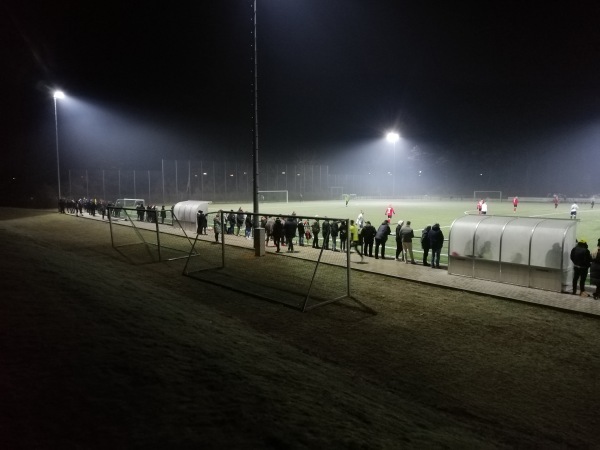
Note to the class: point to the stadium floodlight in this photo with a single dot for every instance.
(393, 137)
(58, 95)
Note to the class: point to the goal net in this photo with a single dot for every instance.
(273, 196)
(310, 275)
(487, 195)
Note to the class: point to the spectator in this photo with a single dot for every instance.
(326, 232)
(239, 220)
(316, 229)
(425, 245)
(595, 271)
(277, 233)
(582, 259)
(334, 230)
(354, 239)
(201, 219)
(436, 242)
(407, 234)
(343, 236)
(269, 229)
(289, 228)
(368, 233)
(381, 236)
(301, 231)
(248, 224)
(217, 226)
(231, 219)
(399, 253)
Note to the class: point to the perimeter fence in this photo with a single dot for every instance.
(218, 181)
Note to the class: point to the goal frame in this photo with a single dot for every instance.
(276, 191)
(224, 267)
(157, 238)
(477, 195)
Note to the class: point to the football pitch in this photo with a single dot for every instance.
(427, 212)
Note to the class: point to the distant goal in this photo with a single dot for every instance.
(273, 196)
(487, 195)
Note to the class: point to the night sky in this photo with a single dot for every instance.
(510, 90)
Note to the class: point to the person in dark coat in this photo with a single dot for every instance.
(269, 224)
(326, 232)
(202, 222)
(289, 229)
(301, 231)
(399, 253)
(381, 236)
(248, 223)
(334, 230)
(436, 242)
(595, 271)
(368, 234)
(316, 229)
(239, 220)
(343, 229)
(277, 233)
(231, 218)
(425, 245)
(582, 259)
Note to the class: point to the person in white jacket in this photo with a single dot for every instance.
(574, 208)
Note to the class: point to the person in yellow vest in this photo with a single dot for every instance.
(354, 239)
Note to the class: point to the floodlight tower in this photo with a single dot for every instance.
(255, 183)
(393, 137)
(58, 95)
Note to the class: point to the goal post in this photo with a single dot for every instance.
(487, 195)
(280, 196)
(143, 235)
(303, 278)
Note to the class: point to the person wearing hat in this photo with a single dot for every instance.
(202, 222)
(582, 259)
(595, 271)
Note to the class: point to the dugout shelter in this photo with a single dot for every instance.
(525, 251)
(186, 211)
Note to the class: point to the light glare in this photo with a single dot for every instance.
(392, 137)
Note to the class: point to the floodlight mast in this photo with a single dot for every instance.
(255, 184)
(58, 95)
(393, 137)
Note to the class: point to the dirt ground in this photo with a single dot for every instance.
(98, 353)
